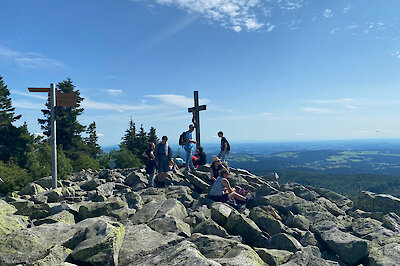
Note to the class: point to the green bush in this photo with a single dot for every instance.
(14, 177)
(125, 159)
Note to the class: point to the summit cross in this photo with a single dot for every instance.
(196, 113)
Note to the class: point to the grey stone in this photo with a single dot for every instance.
(91, 184)
(134, 200)
(298, 221)
(305, 259)
(32, 189)
(274, 257)
(209, 227)
(238, 224)
(147, 213)
(284, 242)
(170, 224)
(369, 201)
(392, 221)
(114, 207)
(220, 213)
(267, 222)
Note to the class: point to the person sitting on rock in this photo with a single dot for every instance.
(222, 191)
(163, 155)
(216, 166)
(199, 158)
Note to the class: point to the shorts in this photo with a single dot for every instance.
(163, 165)
(223, 198)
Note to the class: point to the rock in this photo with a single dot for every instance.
(330, 206)
(114, 207)
(98, 244)
(274, 257)
(226, 251)
(141, 243)
(369, 201)
(7, 209)
(184, 253)
(300, 191)
(36, 211)
(64, 216)
(267, 222)
(47, 182)
(392, 221)
(170, 224)
(147, 213)
(136, 180)
(133, 199)
(54, 195)
(314, 212)
(172, 207)
(304, 258)
(11, 223)
(282, 201)
(32, 189)
(220, 213)
(22, 247)
(388, 255)
(238, 224)
(91, 184)
(209, 227)
(298, 221)
(197, 182)
(181, 193)
(309, 239)
(285, 242)
(373, 230)
(270, 177)
(349, 248)
(341, 201)
(57, 255)
(68, 192)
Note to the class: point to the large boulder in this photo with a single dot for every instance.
(266, 221)
(226, 251)
(181, 193)
(300, 191)
(274, 257)
(136, 180)
(369, 201)
(341, 201)
(392, 221)
(32, 189)
(113, 207)
(307, 259)
(220, 213)
(238, 224)
(64, 217)
(284, 242)
(170, 224)
(12, 223)
(141, 243)
(98, 243)
(133, 199)
(282, 201)
(6, 209)
(147, 213)
(172, 207)
(198, 182)
(56, 256)
(388, 255)
(209, 227)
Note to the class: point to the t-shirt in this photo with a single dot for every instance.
(202, 158)
(188, 145)
(216, 170)
(223, 141)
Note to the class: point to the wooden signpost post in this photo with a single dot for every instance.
(56, 99)
(196, 111)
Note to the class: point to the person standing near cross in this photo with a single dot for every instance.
(189, 149)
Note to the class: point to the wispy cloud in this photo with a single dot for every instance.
(114, 92)
(327, 13)
(95, 105)
(176, 100)
(29, 94)
(347, 9)
(317, 110)
(28, 59)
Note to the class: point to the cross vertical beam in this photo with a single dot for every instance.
(53, 134)
(196, 112)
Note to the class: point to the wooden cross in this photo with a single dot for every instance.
(196, 111)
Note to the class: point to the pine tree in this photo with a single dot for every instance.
(142, 140)
(152, 137)
(7, 114)
(68, 128)
(93, 148)
(129, 139)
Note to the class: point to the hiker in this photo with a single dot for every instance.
(151, 163)
(199, 158)
(215, 167)
(225, 147)
(189, 148)
(163, 154)
(221, 190)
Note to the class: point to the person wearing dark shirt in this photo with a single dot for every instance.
(225, 147)
(199, 158)
(151, 163)
(216, 166)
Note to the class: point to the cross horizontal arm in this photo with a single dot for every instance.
(194, 109)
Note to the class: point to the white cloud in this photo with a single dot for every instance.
(396, 54)
(114, 92)
(234, 14)
(39, 96)
(95, 105)
(317, 110)
(347, 9)
(327, 13)
(177, 100)
(334, 30)
(29, 59)
(24, 104)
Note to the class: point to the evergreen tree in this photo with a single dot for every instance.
(142, 140)
(68, 128)
(153, 136)
(93, 148)
(129, 140)
(7, 114)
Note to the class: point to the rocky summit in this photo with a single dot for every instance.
(111, 217)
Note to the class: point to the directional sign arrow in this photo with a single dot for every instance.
(39, 90)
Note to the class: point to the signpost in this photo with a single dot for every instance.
(56, 99)
(196, 111)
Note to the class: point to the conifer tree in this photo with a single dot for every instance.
(7, 114)
(68, 128)
(93, 148)
(142, 140)
(129, 140)
(153, 136)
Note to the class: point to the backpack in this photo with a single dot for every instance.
(182, 139)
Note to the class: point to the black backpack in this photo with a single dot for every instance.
(182, 139)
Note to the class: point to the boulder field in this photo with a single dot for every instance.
(111, 217)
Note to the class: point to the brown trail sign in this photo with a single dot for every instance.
(196, 112)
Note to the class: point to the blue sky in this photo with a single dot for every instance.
(268, 70)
